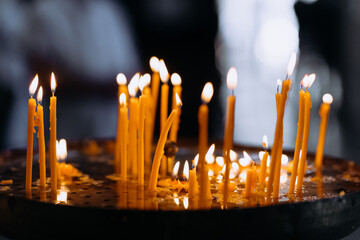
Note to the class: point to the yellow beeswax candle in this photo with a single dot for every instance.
(160, 148)
(304, 145)
(229, 127)
(299, 136)
(262, 175)
(249, 182)
(148, 122)
(133, 125)
(177, 89)
(124, 126)
(53, 160)
(155, 84)
(193, 184)
(41, 139)
(164, 76)
(324, 115)
(203, 117)
(30, 133)
(141, 136)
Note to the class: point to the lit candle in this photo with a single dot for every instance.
(53, 161)
(229, 127)
(276, 150)
(164, 76)
(121, 81)
(203, 117)
(177, 89)
(299, 136)
(324, 115)
(193, 184)
(155, 83)
(141, 155)
(249, 182)
(160, 147)
(148, 122)
(262, 175)
(41, 139)
(30, 132)
(133, 124)
(304, 145)
(124, 123)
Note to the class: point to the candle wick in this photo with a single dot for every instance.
(180, 106)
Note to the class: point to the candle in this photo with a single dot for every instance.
(41, 138)
(148, 122)
(142, 109)
(229, 127)
(124, 126)
(193, 184)
(304, 145)
(177, 89)
(155, 83)
(160, 147)
(30, 132)
(324, 115)
(133, 124)
(164, 76)
(121, 81)
(262, 175)
(249, 182)
(276, 151)
(203, 117)
(299, 136)
(53, 161)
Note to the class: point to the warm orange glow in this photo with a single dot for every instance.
(164, 74)
(186, 202)
(33, 85)
(175, 79)
(327, 98)
(186, 170)
(196, 160)
(39, 96)
(207, 92)
(178, 100)
(244, 162)
(61, 196)
(235, 166)
(176, 200)
(291, 64)
(176, 169)
(154, 64)
(122, 99)
(243, 175)
(232, 78)
(283, 177)
(121, 79)
(220, 161)
(53, 82)
(265, 142)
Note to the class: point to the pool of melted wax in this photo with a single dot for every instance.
(97, 187)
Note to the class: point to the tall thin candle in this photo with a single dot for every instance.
(53, 161)
(177, 89)
(30, 133)
(164, 76)
(41, 137)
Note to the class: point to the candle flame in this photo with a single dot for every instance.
(283, 177)
(291, 64)
(220, 161)
(134, 85)
(196, 160)
(164, 74)
(154, 64)
(304, 80)
(186, 202)
(121, 79)
(311, 79)
(176, 169)
(61, 149)
(232, 78)
(122, 99)
(246, 155)
(40, 94)
(147, 79)
(186, 170)
(175, 79)
(233, 155)
(265, 142)
(207, 92)
(243, 175)
(142, 83)
(235, 167)
(327, 98)
(53, 82)
(308, 80)
(33, 85)
(284, 159)
(178, 101)
(279, 83)
(61, 196)
(244, 162)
